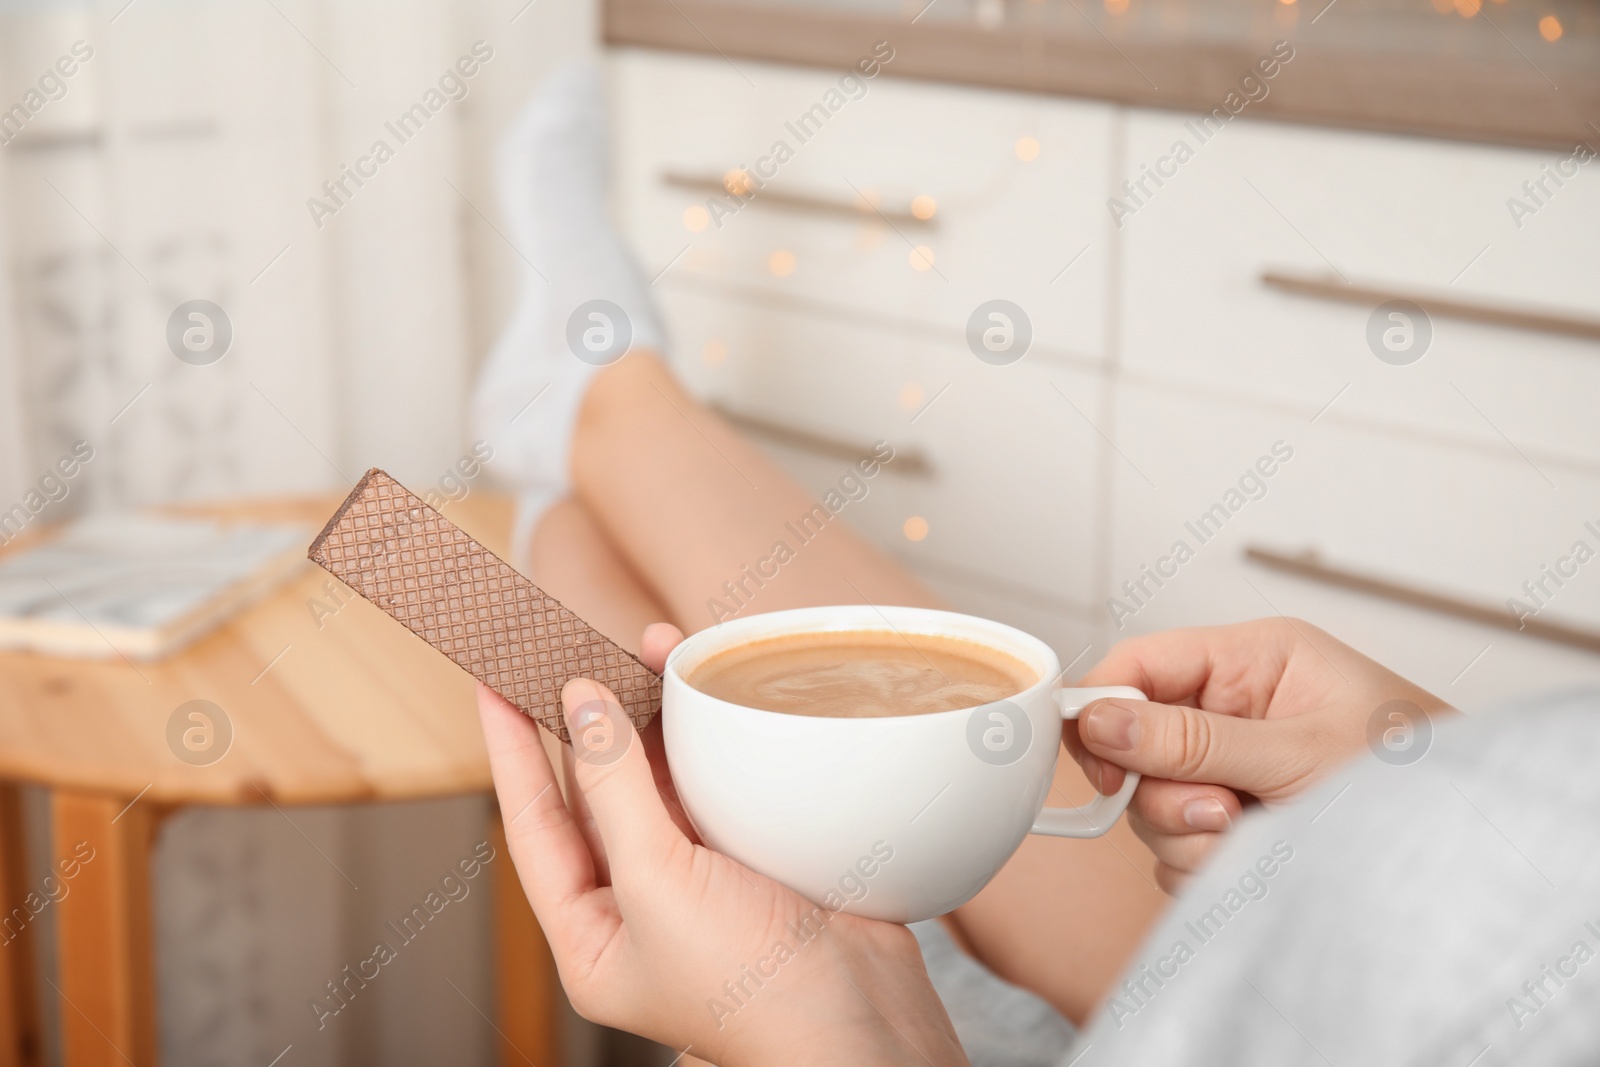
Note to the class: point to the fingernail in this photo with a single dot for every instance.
(1206, 813)
(578, 700)
(586, 716)
(1112, 726)
(599, 729)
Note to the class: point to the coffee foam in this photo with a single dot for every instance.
(861, 673)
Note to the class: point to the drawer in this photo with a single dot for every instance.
(810, 372)
(1429, 515)
(1078, 642)
(1003, 228)
(1010, 494)
(1017, 465)
(1404, 213)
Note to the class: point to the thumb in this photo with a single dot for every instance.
(613, 773)
(1261, 757)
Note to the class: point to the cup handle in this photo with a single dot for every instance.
(1102, 813)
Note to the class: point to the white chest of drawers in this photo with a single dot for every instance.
(1162, 366)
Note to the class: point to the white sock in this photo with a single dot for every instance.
(553, 172)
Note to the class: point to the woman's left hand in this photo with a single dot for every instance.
(663, 937)
(1254, 711)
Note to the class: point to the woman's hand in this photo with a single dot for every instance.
(656, 934)
(1260, 710)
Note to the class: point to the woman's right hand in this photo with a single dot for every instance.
(657, 934)
(1255, 711)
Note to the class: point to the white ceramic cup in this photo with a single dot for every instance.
(900, 818)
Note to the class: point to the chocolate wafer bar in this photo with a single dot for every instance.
(468, 603)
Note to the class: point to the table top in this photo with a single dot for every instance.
(1408, 68)
(327, 705)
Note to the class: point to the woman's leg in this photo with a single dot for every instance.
(691, 504)
(674, 503)
(574, 561)
(1064, 918)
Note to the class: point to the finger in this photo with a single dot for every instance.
(552, 860)
(1105, 777)
(1228, 669)
(1170, 879)
(1265, 758)
(614, 775)
(583, 818)
(655, 748)
(660, 638)
(1156, 817)
(1185, 852)
(1179, 808)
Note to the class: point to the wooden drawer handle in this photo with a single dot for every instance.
(907, 461)
(1309, 564)
(855, 209)
(1329, 287)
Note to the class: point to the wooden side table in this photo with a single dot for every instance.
(324, 709)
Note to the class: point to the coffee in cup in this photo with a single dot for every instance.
(861, 674)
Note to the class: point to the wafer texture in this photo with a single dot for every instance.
(423, 570)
